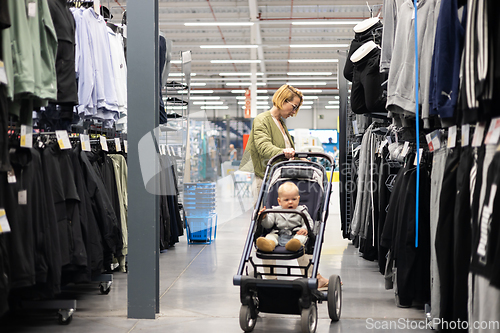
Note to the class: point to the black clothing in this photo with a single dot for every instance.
(163, 58)
(367, 93)
(64, 24)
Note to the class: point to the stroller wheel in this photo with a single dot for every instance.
(309, 319)
(334, 297)
(247, 323)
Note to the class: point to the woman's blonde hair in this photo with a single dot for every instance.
(286, 93)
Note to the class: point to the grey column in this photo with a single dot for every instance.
(343, 149)
(143, 207)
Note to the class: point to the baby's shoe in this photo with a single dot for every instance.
(293, 245)
(265, 244)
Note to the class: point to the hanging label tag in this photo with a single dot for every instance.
(26, 136)
(11, 177)
(420, 152)
(22, 197)
(465, 135)
(118, 145)
(63, 140)
(32, 9)
(355, 127)
(477, 140)
(3, 73)
(97, 6)
(85, 141)
(186, 57)
(452, 137)
(4, 223)
(493, 132)
(405, 149)
(429, 142)
(382, 145)
(125, 146)
(104, 143)
(413, 15)
(389, 139)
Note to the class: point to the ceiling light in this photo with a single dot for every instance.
(260, 107)
(307, 83)
(260, 84)
(319, 45)
(196, 92)
(312, 91)
(238, 74)
(201, 24)
(331, 106)
(176, 61)
(258, 97)
(198, 84)
(208, 103)
(214, 107)
(306, 107)
(258, 103)
(323, 22)
(310, 97)
(232, 61)
(313, 60)
(205, 98)
(307, 102)
(229, 46)
(176, 107)
(309, 73)
(243, 91)
(180, 74)
(333, 102)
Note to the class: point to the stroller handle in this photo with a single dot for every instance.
(302, 155)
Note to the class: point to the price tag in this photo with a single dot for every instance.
(452, 137)
(429, 142)
(22, 197)
(465, 135)
(420, 152)
(186, 57)
(85, 141)
(436, 139)
(125, 145)
(493, 132)
(26, 136)
(63, 140)
(355, 127)
(11, 177)
(405, 149)
(104, 143)
(4, 223)
(32, 9)
(3, 73)
(118, 145)
(478, 135)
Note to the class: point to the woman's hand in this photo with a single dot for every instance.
(289, 152)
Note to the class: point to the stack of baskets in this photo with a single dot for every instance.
(199, 207)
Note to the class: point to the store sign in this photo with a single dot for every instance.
(248, 104)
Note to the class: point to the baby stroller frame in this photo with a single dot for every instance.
(300, 295)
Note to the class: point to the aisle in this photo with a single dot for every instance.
(197, 294)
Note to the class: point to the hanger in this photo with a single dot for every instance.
(366, 24)
(363, 50)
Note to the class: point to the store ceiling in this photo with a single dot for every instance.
(286, 50)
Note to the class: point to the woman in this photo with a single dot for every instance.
(268, 138)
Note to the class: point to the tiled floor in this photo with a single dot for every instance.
(197, 294)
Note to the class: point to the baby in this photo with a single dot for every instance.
(287, 229)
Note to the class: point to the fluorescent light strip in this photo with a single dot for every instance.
(307, 102)
(232, 61)
(196, 92)
(176, 61)
(243, 91)
(260, 107)
(306, 107)
(198, 84)
(238, 74)
(334, 102)
(307, 83)
(208, 103)
(332, 106)
(229, 46)
(193, 98)
(201, 24)
(309, 73)
(319, 45)
(258, 97)
(313, 60)
(310, 97)
(337, 97)
(180, 74)
(312, 91)
(176, 107)
(322, 22)
(260, 84)
(215, 107)
(258, 103)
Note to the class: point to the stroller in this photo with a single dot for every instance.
(298, 295)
